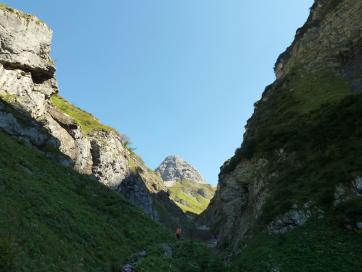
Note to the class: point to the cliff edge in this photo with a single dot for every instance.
(32, 111)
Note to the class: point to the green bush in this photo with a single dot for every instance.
(317, 246)
(188, 256)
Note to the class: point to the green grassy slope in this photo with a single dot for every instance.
(191, 196)
(187, 256)
(317, 246)
(52, 219)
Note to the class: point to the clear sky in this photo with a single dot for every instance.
(176, 76)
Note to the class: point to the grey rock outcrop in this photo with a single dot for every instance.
(25, 43)
(358, 185)
(333, 28)
(238, 201)
(173, 168)
(293, 218)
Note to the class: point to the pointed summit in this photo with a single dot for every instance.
(173, 168)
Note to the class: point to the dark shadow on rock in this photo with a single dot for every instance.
(20, 125)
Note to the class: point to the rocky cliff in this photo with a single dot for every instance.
(32, 111)
(300, 161)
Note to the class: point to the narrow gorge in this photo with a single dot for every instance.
(76, 196)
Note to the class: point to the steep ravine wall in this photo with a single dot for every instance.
(27, 112)
(299, 158)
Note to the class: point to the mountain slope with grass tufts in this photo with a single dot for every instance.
(54, 219)
(51, 217)
(290, 198)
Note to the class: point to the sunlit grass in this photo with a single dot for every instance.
(85, 120)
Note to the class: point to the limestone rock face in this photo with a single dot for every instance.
(174, 168)
(238, 200)
(26, 68)
(27, 112)
(25, 43)
(334, 29)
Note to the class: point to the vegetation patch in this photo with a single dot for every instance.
(8, 98)
(286, 107)
(85, 120)
(327, 150)
(53, 219)
(317, 246)
(21, 14)
(187, 256)
(191, 196)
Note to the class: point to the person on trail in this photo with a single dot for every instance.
(178, 233)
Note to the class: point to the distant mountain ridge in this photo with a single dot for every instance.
(186, 186)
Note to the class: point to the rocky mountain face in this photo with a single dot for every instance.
(186, 186)
(300, 161)
(173, 168)
(32, 111)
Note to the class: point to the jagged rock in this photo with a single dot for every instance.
(62, 119)
(359, 225)
(110, 164)
(25, 43)
(174, 168)
(128, 268)
(345, 192)
(290, 220)
(241, 192)
(134, 188)
(326, 39)
(12, 126)
(19, 84)
(358, 185)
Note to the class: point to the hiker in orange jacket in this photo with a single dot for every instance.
(178, 233)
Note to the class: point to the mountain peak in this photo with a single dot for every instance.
(174, 168)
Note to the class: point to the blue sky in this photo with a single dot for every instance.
(176, 76)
